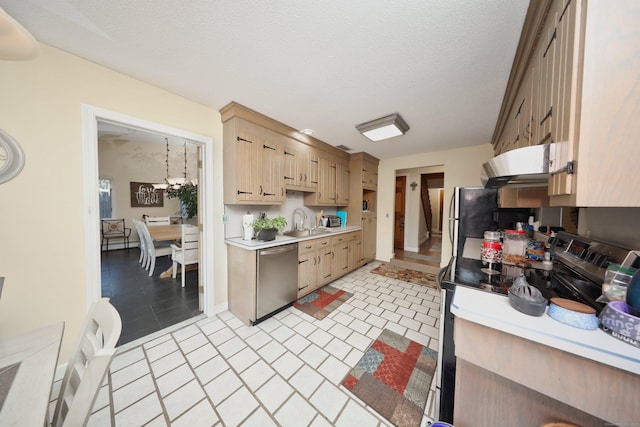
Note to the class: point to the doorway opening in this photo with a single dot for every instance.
(418, 218)
(146, 303)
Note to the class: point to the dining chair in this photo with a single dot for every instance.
(142, 242)
(88, 365)
(114, 229)
(187, 253)
(155, 249)
(157, 220)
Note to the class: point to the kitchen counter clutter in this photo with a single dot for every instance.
(283, 240)
(538, 366)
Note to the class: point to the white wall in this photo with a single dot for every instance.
(434, 198)
(42, 230)
(461, 168)
(616, 225)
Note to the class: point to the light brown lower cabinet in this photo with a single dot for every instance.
(307, 267)
(323, 260)
(502, 379)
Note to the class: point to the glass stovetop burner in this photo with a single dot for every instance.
(468, 272)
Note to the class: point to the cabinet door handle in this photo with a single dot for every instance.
(286, 153)
(303, 287)
(546, 116)
(288, 177)
(553, 37)
(304, 260)
(266, 147)
(245, 140)
(268, 194)
(261, 190)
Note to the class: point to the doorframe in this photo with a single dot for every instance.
(90, 117)
(404, 210)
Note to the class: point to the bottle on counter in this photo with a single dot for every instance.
(514, 246)
(491, 250)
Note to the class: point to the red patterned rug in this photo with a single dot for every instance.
(321, 302)
(406, 274)
(393, 377)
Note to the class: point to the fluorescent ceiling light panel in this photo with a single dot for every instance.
(384, 128)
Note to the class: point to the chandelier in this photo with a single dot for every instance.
(174, 184)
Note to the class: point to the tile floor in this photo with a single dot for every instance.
(284, 371)
(146, 303)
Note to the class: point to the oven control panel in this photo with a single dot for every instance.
(589, 257)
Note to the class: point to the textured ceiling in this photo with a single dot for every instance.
(327, 65)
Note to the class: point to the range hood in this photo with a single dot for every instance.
(521, 167)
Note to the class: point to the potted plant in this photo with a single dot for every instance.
(267, 228)
(188, 196)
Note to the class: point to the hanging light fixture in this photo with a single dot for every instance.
(172, 184)
(164, 185)
(176, 183)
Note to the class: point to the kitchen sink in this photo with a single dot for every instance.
(306, 232)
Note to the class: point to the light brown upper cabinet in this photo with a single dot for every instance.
(256, 176)
(333, 182)
(364, 183)
(574, 82)
(263, 158)
(369, 174)
(300, 167)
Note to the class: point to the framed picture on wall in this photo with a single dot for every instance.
(143, 195)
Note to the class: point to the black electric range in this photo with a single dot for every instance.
(577, 273)
(559, 281)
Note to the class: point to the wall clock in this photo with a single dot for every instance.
(11, 157)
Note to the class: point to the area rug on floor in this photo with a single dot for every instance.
(321, 302)
(413, 276)
(421, 257)
(393, 377)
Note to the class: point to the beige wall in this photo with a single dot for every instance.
(42, 251)
(461, 168)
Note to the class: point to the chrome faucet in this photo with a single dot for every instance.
(294, 224)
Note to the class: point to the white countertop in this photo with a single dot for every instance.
(283, 240)
(494, 311)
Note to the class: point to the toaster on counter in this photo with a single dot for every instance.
(333, 221)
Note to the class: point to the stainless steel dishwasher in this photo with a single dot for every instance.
(277, 279)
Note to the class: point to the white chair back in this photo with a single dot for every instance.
(143, 242)
(88, 365)
(154, 249)
(157, 220)
(187, 253)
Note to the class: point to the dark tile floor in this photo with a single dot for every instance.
(146, 304)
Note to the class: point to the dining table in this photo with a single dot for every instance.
(171, 233)
(27, 367)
